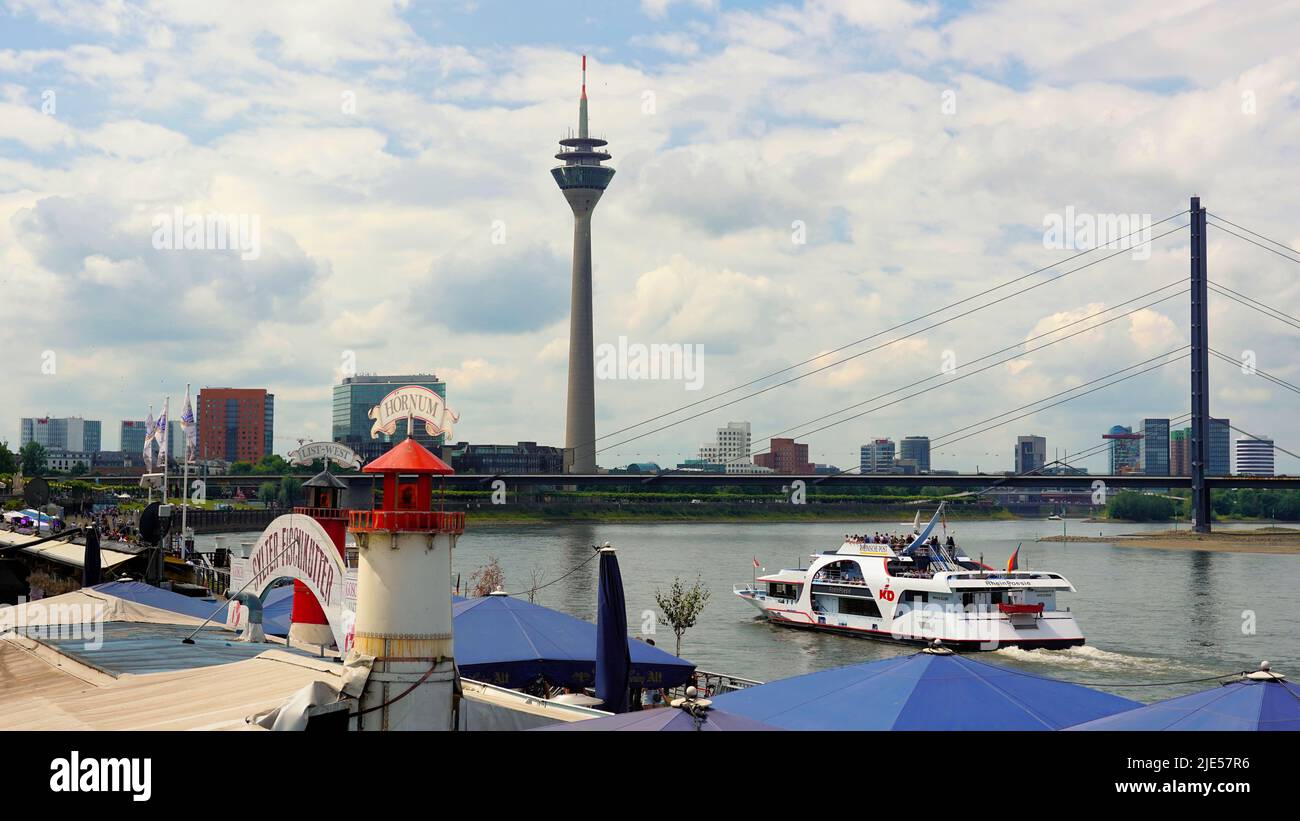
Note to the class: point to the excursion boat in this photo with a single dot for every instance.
(916, 594)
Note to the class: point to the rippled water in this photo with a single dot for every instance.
(1149, 615)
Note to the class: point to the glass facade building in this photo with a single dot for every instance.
(916, 448)
(1154, 447)
(356, 395)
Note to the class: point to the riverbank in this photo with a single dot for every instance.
(1265, 540)
(893, 520)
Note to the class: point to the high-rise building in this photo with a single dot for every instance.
(1124, 450)
(235, 425)
(1254, 456)
(1180, 460)
(583, 179)
(916, 448)
(1219, 449)
(1153, 447)
(731, 448)
(132, 440)
(877, 456)
(1031, 453)
(785, 456)
(70, 433)
(356, 395)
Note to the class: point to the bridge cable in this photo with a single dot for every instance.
(869, 350)
(881, 333)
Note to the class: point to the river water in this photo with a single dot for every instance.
(1149, 615)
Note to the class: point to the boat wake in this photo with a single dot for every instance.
(1090, 658)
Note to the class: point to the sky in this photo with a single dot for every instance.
(790, 178)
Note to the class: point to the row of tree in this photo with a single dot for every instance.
(31, 458)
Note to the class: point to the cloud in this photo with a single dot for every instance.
(503, 289)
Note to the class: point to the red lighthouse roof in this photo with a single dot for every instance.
(408, 457)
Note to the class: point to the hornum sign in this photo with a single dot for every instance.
(412, 402)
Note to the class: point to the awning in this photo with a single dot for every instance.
(922, 691)
(1251, 705)
(511, 643)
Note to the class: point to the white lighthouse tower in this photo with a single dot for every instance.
(403, 614)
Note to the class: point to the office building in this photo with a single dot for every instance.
(235, 425)
(1031, 453)
(69, 433)
(917, 448)
(1124, 450)
(1153, 447)
(1180, 461)
(785, 456)
(1254, 456)
(1219, 449)
(524, 457)
(731, 447)
(355, 396)
(877, 456)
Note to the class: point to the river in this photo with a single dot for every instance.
(1149, 615)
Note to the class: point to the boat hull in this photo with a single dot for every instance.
(959, 631)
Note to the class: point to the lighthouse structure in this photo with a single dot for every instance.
(308, 623)
(583, 179)
(403, 616)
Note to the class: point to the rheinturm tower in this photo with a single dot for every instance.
(583, 179)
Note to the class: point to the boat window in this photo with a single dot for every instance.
(859, 607)
(843, 572)
(783, 590)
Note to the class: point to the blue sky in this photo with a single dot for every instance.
(790, 176)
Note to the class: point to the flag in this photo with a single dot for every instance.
(148, 440)
(187, 425)
(1013, 563)
(160, 432)
(756, 564)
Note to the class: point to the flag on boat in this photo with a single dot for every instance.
(756, 564)
(189, 427)
(160, 432)
(148, 439)
(1013, 563)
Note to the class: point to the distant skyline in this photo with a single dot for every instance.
(791, 177)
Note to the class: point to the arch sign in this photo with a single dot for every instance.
(297, 547)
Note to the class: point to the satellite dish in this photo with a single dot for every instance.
(152, 526)
(36, 492)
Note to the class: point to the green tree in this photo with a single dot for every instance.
(682, 606)
(268, 492)
(1141, 507)
(33, 458)
(289, 490)
(8, 461)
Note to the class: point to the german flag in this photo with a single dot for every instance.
(1013, 563)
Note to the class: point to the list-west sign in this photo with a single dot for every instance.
(338, 453)
(412, 402)
(297, 547)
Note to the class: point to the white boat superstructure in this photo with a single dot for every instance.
(918, 593)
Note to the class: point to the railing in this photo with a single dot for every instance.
(708, 684)
(321, 512)
(416, 521)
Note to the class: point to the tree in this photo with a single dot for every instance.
(681, 607)
(268, 492)
(33, 458)
(290, 488)
(1140, 507)
(8, 461)
(487, 579)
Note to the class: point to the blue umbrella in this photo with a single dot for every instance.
(1260, 701)
(513, 643)
(613, 666)
(929, 690)
(668, 719)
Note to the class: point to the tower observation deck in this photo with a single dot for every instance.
(582, 178)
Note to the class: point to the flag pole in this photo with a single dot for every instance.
(185, 482)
